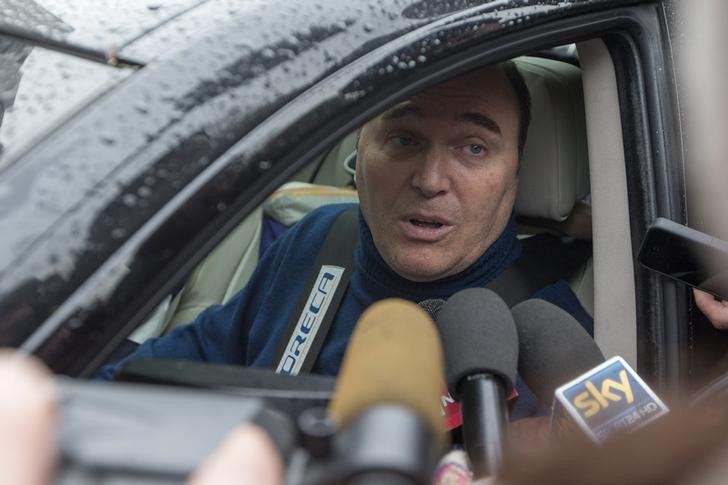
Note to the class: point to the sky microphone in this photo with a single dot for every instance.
(386, 401)
(481, 354)
(559, 360)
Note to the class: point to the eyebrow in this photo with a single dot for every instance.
(402, 110)
(480, 120)
(408, 109)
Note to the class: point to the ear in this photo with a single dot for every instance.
(350, 164)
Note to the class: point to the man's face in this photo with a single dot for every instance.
(437, 174)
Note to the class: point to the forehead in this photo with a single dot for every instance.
(485, 91)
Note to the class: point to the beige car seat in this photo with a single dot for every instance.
(553, 176)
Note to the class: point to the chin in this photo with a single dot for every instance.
(419, 271)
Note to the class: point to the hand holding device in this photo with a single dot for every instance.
(686, 255)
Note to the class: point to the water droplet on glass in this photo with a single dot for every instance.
(265, 165)
(107, 138)
(118, 233)
(144, 192)
(75, 323)
(129, 200)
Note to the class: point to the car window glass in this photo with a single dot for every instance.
(39, 88)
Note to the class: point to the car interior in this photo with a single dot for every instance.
(572, 183)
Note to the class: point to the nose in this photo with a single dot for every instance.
(431, 177)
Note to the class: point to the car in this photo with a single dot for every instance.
(135, 142)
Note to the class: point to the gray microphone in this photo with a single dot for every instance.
(561, 362)
(480, 342)
(554, 347)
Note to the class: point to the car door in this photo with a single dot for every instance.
(169, 162)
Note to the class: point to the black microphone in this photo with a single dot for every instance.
(559, 360)
(481, 353)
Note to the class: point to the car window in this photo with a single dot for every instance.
(328, 179)
(239, 122)
(40, 87)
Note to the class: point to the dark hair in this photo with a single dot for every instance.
(518, 83)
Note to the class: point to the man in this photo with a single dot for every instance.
(437, 178)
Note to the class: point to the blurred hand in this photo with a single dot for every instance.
(716, 311)
(28, 418)
(28, 423)
(680, 448)
(246, 457)
(527, 438)
(530, 436)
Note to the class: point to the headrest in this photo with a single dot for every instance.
(554, 171)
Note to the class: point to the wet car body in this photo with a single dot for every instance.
(212, 104)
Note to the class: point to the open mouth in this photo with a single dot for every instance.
(427, 224)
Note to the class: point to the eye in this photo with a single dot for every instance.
(475, 149)
(403, 140)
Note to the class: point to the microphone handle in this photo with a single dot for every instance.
(485, 415)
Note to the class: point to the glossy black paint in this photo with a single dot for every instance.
(155, 172)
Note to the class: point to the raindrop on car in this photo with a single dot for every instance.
(144, 192)
(129, 200)
(107, 138)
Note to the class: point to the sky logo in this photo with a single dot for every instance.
(609, 397)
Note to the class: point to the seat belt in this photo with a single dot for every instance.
(545, 259)
(322, 293)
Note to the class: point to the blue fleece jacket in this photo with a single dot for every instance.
(248, 329)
